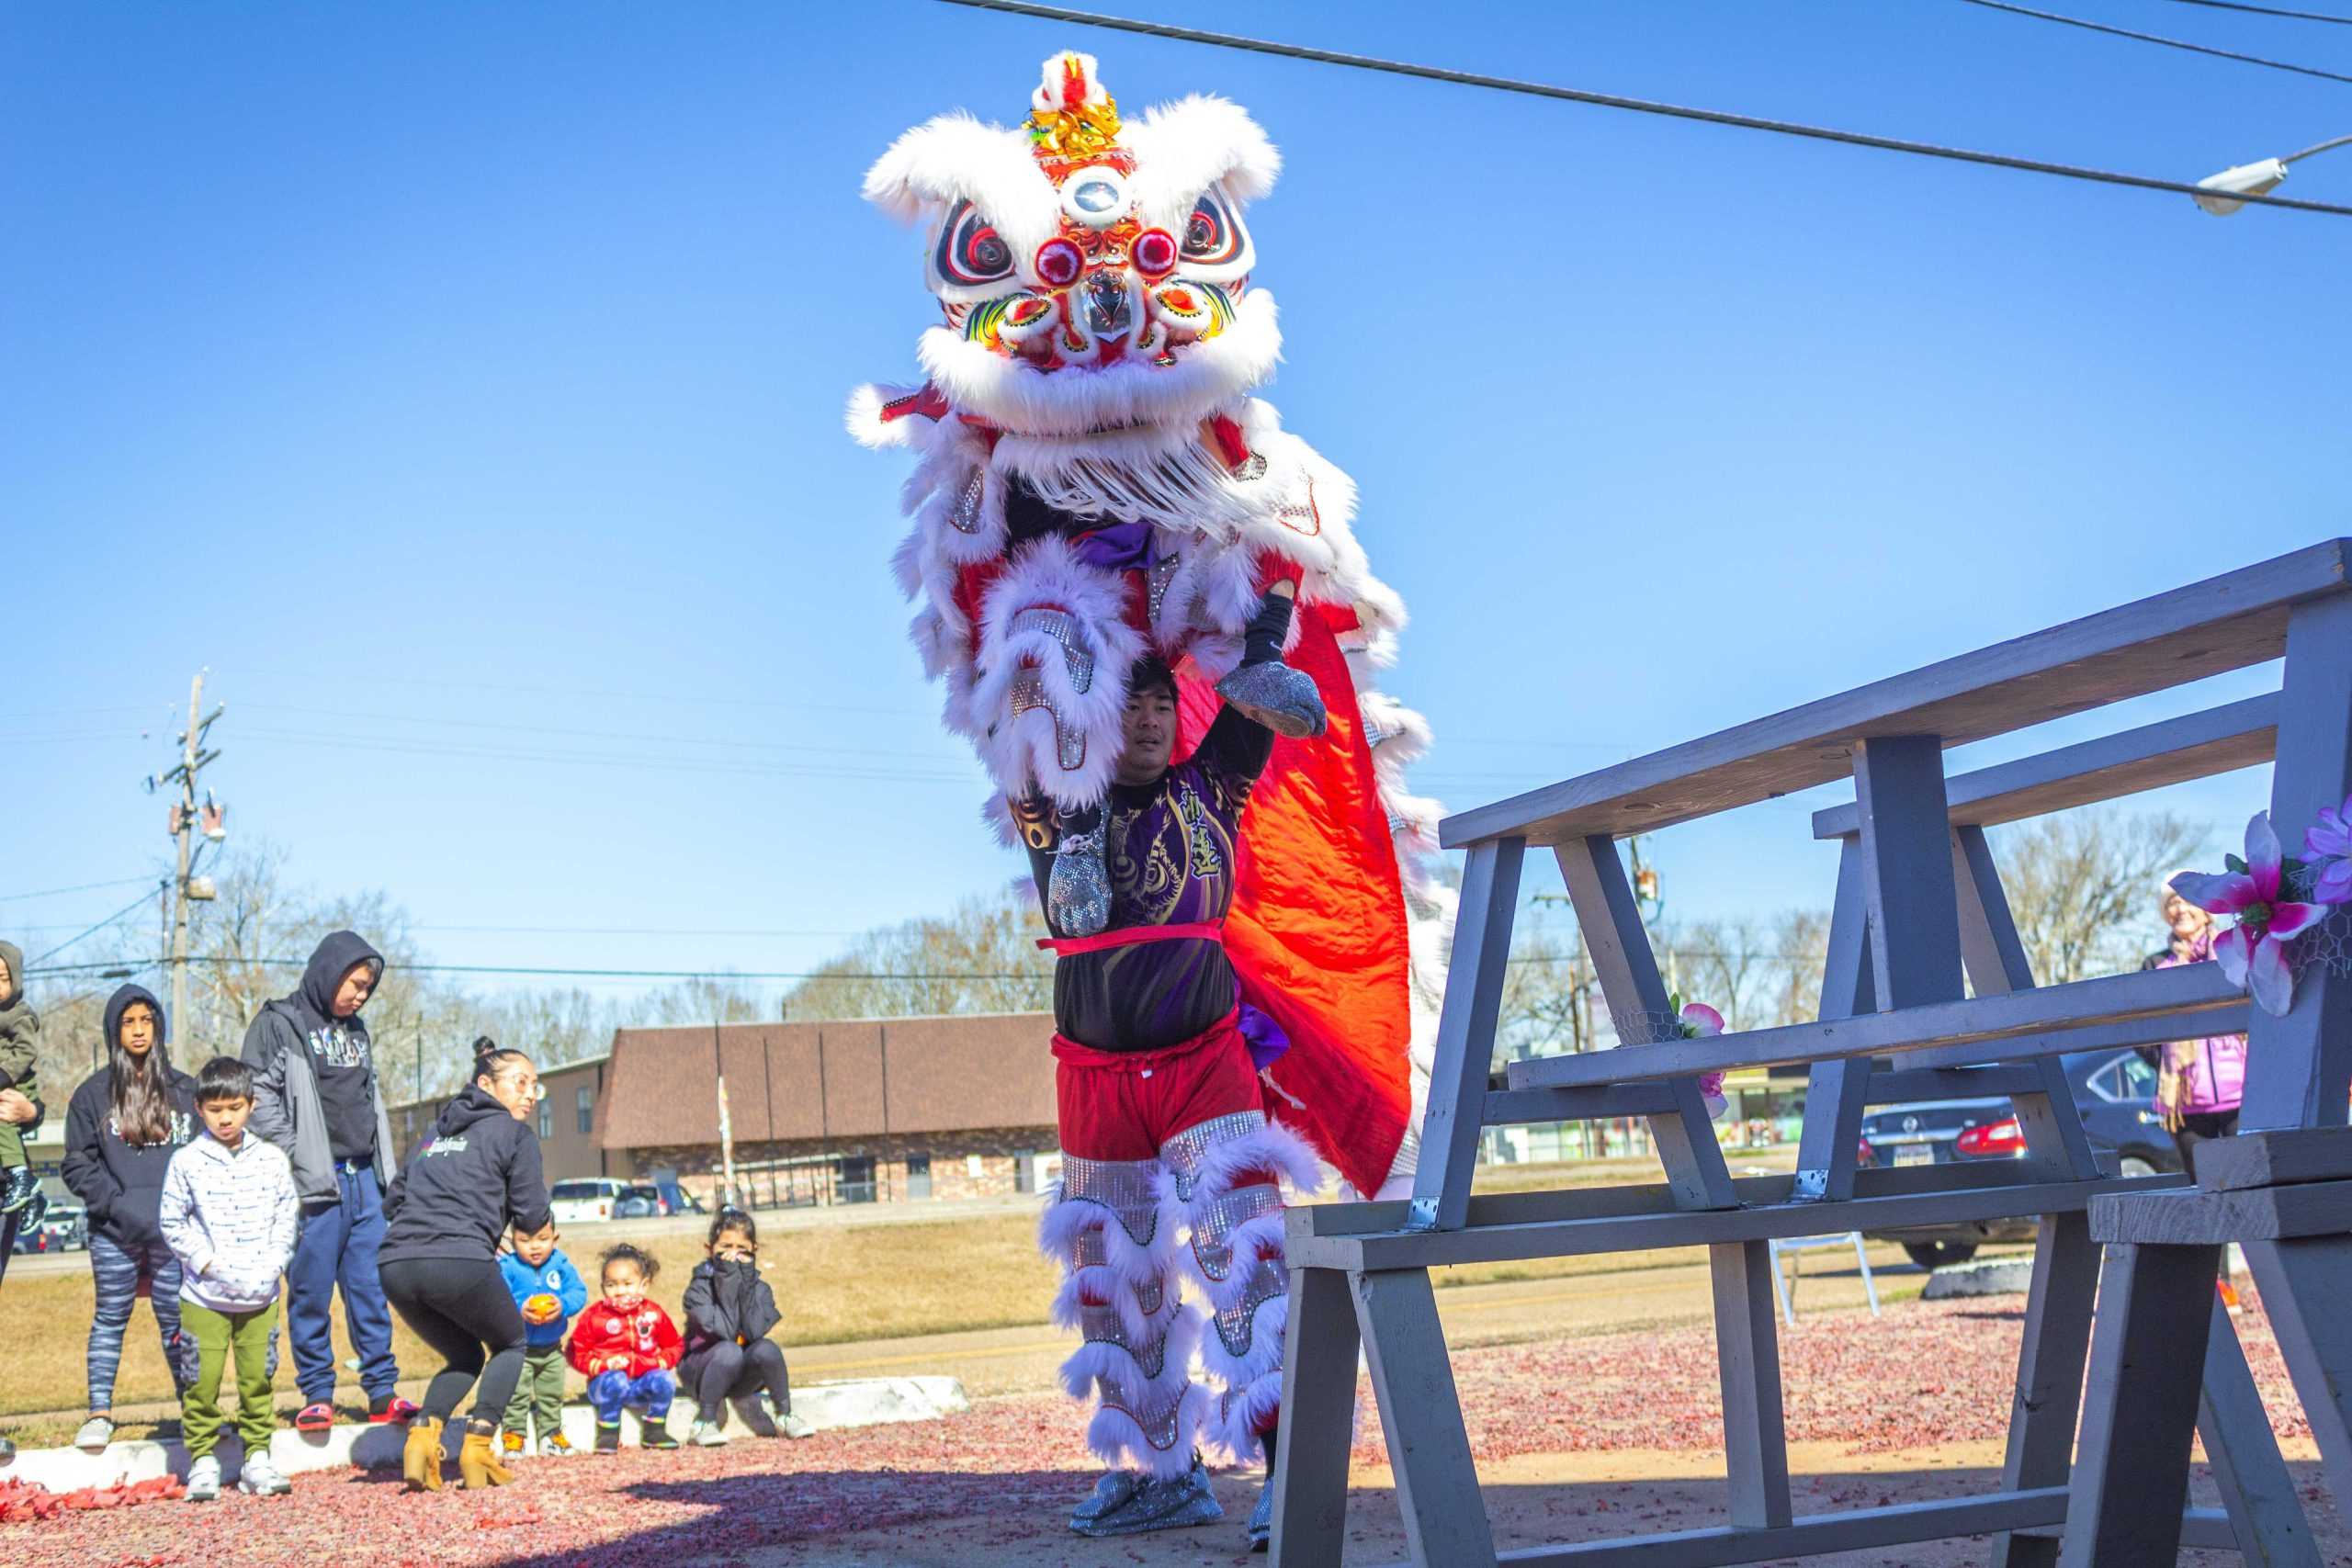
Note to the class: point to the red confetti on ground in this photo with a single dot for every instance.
(1921, 1376)
(24, 1502)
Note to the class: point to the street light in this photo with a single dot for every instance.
(2257, 179)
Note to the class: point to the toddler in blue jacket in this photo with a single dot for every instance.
(548, 1291)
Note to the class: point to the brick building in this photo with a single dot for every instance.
(855, 1111)
(566, 1122)
(864, 1110)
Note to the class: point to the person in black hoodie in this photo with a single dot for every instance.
(122, 1129)
(316, 1096)
(474, 1175)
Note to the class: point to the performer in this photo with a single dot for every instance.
(1170, 1170)
(1121, 557)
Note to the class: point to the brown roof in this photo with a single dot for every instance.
(841, 1078)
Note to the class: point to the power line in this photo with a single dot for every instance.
(81, 887)
(2267, 11)
(139, 902)
(2152, 37)
(1636, 106)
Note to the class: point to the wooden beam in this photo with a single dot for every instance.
(1618, 946)
(2224, 622)
(2274, 1159)
(2158, 1000)
(1465, 1053)
(2262, 1516)
(1420, 1415)
(1683, 1228)
(2298, 1067)
(1747, 1360)
(2131, 1480)
(1828, 1144)
(2049, 1387)
(1996, 962)
(1310, 1478)
(2304, 1284)
(2191, 1217)
(1900, 1086)
(2194, 745)
(1507, 1107)
(1906, 870)
(1812, 1535)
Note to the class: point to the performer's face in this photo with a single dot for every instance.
(1150, 737)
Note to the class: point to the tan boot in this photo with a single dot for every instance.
(421, 1455)
(477, 1462)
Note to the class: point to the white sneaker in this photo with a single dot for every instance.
(706, 1434)
(95, 1435)
(203, 1479)
(259, 1478)
(794, 1426)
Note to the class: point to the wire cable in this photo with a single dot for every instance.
(2152, 37)
(1636, 106)
(137, 903)
(2268, 11)
(79, 887)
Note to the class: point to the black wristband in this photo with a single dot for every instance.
(1262, 641)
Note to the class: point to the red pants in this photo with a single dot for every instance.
(1124, 1105)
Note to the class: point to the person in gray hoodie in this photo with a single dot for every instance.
(316, 1096)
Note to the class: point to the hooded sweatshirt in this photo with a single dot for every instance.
(315, 1091)
(476, 1173)
(231, 1217)
(122, 1183)
(19, 1025)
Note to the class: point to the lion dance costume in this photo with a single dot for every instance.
(1100, 504)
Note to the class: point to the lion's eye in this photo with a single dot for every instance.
(970, 250)
(1212, 234)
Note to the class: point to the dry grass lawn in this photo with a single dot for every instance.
(835, 1283)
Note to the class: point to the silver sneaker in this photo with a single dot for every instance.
(753, 1411)
(1159, 1505)
(203, 1479)
(257, 1477)
(95, 1435)
(1282, 699)
(706, 1434)
(1111, 1491)
(1261, 1518)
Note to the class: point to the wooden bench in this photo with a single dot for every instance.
(1927, 991)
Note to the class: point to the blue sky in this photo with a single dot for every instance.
(462, 385)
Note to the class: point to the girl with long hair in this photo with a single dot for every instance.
(125, 1121)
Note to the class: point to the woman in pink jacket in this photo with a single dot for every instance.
(2197, 1081)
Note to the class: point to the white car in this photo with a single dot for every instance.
(585, 1199)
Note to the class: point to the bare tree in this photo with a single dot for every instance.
(981, 958)
(2083, 886)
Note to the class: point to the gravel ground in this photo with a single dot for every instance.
(992, 1485)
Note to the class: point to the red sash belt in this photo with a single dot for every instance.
(1129, 936)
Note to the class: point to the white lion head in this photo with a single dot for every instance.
(1095, 275)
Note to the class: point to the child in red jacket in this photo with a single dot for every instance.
(625, 1346)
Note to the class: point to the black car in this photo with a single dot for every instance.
(2112, 1092)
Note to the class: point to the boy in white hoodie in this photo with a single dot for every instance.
(230, 1215)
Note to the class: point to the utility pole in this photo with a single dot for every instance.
(185, 822)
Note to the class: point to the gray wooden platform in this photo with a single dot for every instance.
(1927, 990)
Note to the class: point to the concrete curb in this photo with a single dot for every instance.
(825, 1405)
(1992, 1276)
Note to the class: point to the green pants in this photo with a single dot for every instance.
(217, 1337)
(12, 1137)
(539, 1394)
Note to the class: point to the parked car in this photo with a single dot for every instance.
(641, 1201)
(581, 1200)
(681, 1202)
(65, 1228)
(2112, 1090)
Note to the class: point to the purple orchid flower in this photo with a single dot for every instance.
(2327, 843)
(2253, 953)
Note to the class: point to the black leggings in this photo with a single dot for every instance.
(462, 1308)
(2197, 1127)
(734, 1371)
